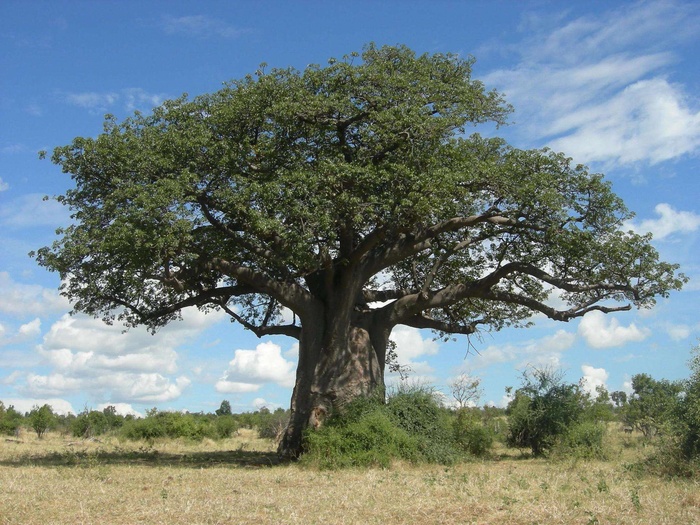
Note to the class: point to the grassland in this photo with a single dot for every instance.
(61, 480)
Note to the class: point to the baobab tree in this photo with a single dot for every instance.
(352, 195)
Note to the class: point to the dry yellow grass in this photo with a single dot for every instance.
(63, 481)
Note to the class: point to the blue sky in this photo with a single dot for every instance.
(615, 85)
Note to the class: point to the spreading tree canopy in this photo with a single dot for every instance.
(353, 195)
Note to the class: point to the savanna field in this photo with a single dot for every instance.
(109, 480)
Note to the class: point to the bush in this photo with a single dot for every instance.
(373, 439)
(584, 440)
(171, 425)
(270, 425)
(543, 409)
(411, 426)
(470, 434)
(688, 412)
(416, 410)
(10, 420)
(226, 426)
(41, 419)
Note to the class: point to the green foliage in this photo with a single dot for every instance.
(688, 411)
(176, 425)
(678, 451)
(543, 410)
(41, 419)
(471, 434)
(270, 425)
(598, 407)
(10, 420)
(411, 426)
(583, 440)
(652, 405)
(91, 423)
(226, 426)
(289, 187)
(224, 409)
(373, 440)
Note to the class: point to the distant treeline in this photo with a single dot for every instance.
(156, 424)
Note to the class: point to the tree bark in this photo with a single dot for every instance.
(336, 365)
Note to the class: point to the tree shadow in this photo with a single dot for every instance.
(149, 458)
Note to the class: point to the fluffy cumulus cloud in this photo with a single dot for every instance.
(669, 222)
(595, 87)
(410, 348)
(250, 369)
(28, 299)
(593, 378)
(123, 409)
(85, 355)
(678, 332)
(604, 331)
(59, 406)
(544, 352)
(31, 328)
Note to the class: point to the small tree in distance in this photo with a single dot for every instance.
(466, 390)
(41, 419)
(353, 196)
(224, 409)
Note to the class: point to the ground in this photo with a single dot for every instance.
(61, 480)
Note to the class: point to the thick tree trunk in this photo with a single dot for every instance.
(335, 366)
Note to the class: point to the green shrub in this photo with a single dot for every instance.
(41, 419)
(10, 420)
(470, 434)
(584, 440)
(226, 426)
(89, 423)
(270, 425)
(170, 425)
(417, 411)
(411, 426)
(543, 409)
(371, 440)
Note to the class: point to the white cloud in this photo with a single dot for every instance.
(125, 387)
(224, 386)
(129, 99)
(3, 185)
(678, 332)
(410, 344)
(59, 406)
(250, 369)
(86, 355)
(200, 26)
(669, 222)
(593, 378)
(649, 121)
(33, 209)
(544, 352)
(123, 409)
(260, 402)
(595, 87)
(31, 328)
(92, 100)
(28, 299)
(601, 331)
(12, 378)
